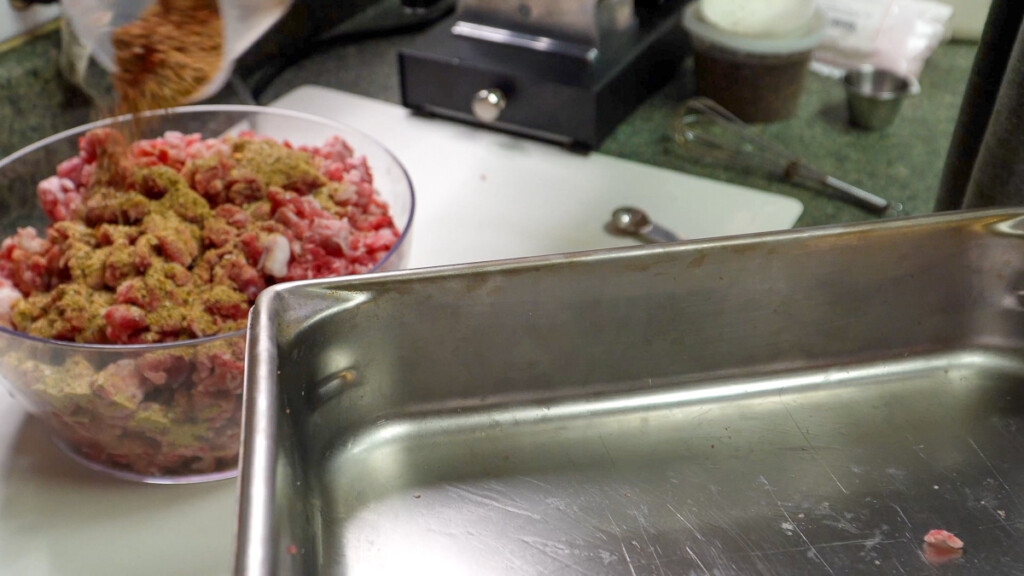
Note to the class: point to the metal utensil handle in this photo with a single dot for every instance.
(654, 234)
(849, 192)
(876, 203)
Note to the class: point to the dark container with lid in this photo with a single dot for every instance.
(757, 78)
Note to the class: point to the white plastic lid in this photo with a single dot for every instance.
(760, 18)
(803, 39)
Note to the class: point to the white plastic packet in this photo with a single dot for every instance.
(895, 35)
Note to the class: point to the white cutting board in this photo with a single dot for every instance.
(485, 195)
(480, 195)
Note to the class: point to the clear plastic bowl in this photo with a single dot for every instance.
(186, 429)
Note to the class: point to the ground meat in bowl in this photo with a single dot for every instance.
(166, 241)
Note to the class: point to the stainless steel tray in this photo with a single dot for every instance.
(807, 402)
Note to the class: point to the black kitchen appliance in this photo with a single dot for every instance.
(562, 70)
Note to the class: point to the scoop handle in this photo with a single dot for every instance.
(862, 197)
(846, 191)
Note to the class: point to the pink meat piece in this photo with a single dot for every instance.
(332, 267)
(177, 247)
(88, 171)
(165, 369)
(295, 212)
(295, 223)
(366, 193)
(71, 170)
(358, 171)
(380, 240)
(335, 149)
(169, 150)
(351, 170)
(225, 227)
(26, 240)
(371, 222)
(315, 262)
(9, 296)
(134, 292)
(230, 310)
(211, 179)
(218, 370)
(124, 320)
(332, 234)
(233, 215)
(252, 246)
(121, 385)
(90, 143)
(59, 198)
(206, 148)
(334, 171)
(943, 539)
(245, 278)
(24, 261)
(218, 233)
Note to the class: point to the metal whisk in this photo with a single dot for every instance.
(704, 125)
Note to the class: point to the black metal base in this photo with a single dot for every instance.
(565, 99)
(304, 22)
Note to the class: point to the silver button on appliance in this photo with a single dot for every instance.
(488, 104)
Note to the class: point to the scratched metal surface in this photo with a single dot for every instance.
(807, 402)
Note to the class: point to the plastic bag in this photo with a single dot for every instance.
(895, 35)
(93, 21)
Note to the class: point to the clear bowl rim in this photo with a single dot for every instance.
(199, 108)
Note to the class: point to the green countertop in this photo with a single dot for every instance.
(903, 162)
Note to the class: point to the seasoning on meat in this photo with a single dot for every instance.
(167, 240)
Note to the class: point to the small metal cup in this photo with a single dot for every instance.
(874, 97)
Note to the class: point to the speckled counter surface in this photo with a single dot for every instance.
(902, 163)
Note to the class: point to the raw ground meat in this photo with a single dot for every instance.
(168, 240)
(943, 539)
(941, 547)
(184, 233)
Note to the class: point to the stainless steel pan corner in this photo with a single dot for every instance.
(804, 402)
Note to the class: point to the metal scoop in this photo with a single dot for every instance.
(635, 222)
